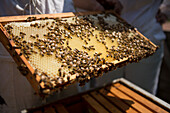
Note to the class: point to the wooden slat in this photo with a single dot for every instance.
(60, 108)
(139, 98)
(121, 95)
(49, 110)
(24, 17)
(147, 39)
(105, 102)
(94, 104)
(118, 102)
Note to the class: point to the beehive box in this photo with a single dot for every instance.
(56, 50)
(119, 97)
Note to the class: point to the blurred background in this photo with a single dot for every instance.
(164, 83)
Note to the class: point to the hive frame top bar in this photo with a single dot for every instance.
(142, 91)
(21, 60)
(6, 19)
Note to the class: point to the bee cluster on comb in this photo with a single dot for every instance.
(65, 50)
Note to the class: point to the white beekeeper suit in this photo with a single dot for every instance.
(20, 7)
(142, 14)
(15, 89)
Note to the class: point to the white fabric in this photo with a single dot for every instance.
(141, 14)
(20, 7)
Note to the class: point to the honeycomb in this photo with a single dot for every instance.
(64, 50)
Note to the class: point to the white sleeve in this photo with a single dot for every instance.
(21, 7)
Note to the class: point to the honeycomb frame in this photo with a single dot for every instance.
(31, 74)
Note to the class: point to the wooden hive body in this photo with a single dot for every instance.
(119, 97)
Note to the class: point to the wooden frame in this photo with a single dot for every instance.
(22, 62)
